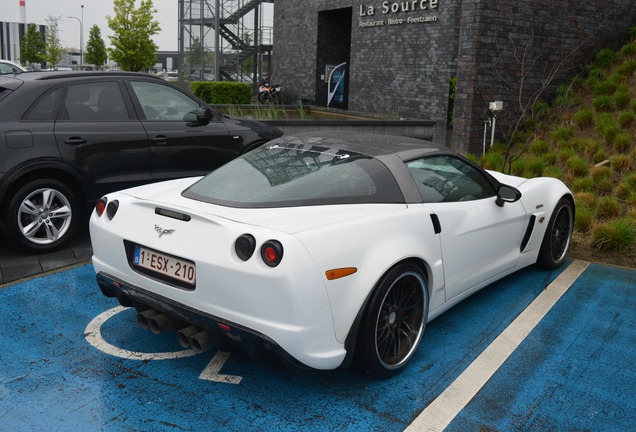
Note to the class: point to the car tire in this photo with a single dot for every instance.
(558, 235)
(393, 322)
(41, 216)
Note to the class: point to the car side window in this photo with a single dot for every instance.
(163, 103)
(100, 101)
(47, 107)
(449, 179)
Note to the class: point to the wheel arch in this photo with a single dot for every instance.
(50, 170)
(352, 336)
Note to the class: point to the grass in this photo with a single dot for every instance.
(592, 148)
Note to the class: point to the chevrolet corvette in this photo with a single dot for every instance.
(323, 249)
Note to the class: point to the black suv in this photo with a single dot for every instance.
(67, 138)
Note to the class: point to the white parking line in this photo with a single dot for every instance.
(438, 415)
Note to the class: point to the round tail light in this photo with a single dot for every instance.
(245, 246)
(272, 253)
(100, 207)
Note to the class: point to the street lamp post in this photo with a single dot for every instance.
(81, 23)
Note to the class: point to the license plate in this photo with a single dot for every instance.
(166, 265)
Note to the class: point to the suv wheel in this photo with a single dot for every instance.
(41, 216)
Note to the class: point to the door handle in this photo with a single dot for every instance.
(160, 139)
(75, 141)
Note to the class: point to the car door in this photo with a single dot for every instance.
(180, 146)
(97, 134)
(479, 239)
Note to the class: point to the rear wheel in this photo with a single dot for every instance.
(394, 321)
(556, 240)
(41, 216)
(264, 97)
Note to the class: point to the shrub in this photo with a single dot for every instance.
(603, 186)
(550, 157)
(601, 173)
(584, 118)
(621, 99)
(585, 198)
(563, 133)
(584, 218)
(605, 58)
(539, 147)
(607, 207)
(629, 49)
(607, 127)
(622, 142)
(533, 167)
(553, 171)
(492, 160)
(599, 156)
(222, 92)
(619, 236)
(577, 166)
(582, 184)
(623, 192)
(626, 118)
(622, 163)
(602, 103)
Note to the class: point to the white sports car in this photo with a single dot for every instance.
(323, 249)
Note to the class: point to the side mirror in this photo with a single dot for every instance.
(506, 194)
(204, 115)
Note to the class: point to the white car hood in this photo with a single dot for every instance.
(287, 219)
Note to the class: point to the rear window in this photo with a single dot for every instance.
(288, 175)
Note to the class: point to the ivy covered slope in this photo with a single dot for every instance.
(588, 140)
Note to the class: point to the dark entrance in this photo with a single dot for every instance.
(333, 57)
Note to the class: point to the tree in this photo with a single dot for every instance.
(54, 50)
(33, 46)
(133, 28)
(95, 48)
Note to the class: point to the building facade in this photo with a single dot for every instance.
(402, 58)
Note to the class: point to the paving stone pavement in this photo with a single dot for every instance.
(16, 264)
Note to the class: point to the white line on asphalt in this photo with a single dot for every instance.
(438, 415)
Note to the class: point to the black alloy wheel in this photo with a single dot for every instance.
(557, 236)
(394, 321)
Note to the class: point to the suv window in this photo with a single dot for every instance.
(162, 103)
(46, 108)
(449, 179)
(101, 101)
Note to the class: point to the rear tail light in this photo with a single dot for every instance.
(111, 209)
(272, 253)
(245, 246)
(101, 206)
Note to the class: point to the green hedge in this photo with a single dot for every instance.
(222, 92)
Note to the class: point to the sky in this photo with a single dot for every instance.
(95, 12)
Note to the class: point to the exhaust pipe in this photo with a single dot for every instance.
(201, 342)
(158, 323)
(143, 318)
(184, 335)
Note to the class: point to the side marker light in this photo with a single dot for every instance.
(340, 273)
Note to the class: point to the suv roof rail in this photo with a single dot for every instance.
(74, 74)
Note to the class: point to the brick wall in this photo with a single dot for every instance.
(404, 69)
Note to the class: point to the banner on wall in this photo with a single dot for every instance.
(336, 87)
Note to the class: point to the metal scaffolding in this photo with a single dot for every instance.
(223, 40)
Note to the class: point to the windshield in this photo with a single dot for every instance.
(295, 175)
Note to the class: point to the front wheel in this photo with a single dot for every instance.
(394, 321)
(41, 216)
(558, 235)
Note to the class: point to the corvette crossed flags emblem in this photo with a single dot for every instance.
(162, 231)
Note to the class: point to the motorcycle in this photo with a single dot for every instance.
(269, 93)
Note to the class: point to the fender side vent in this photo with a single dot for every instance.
(172, 214)
(526, 236)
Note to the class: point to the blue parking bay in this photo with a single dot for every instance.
(72, 360)
(575, 371)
